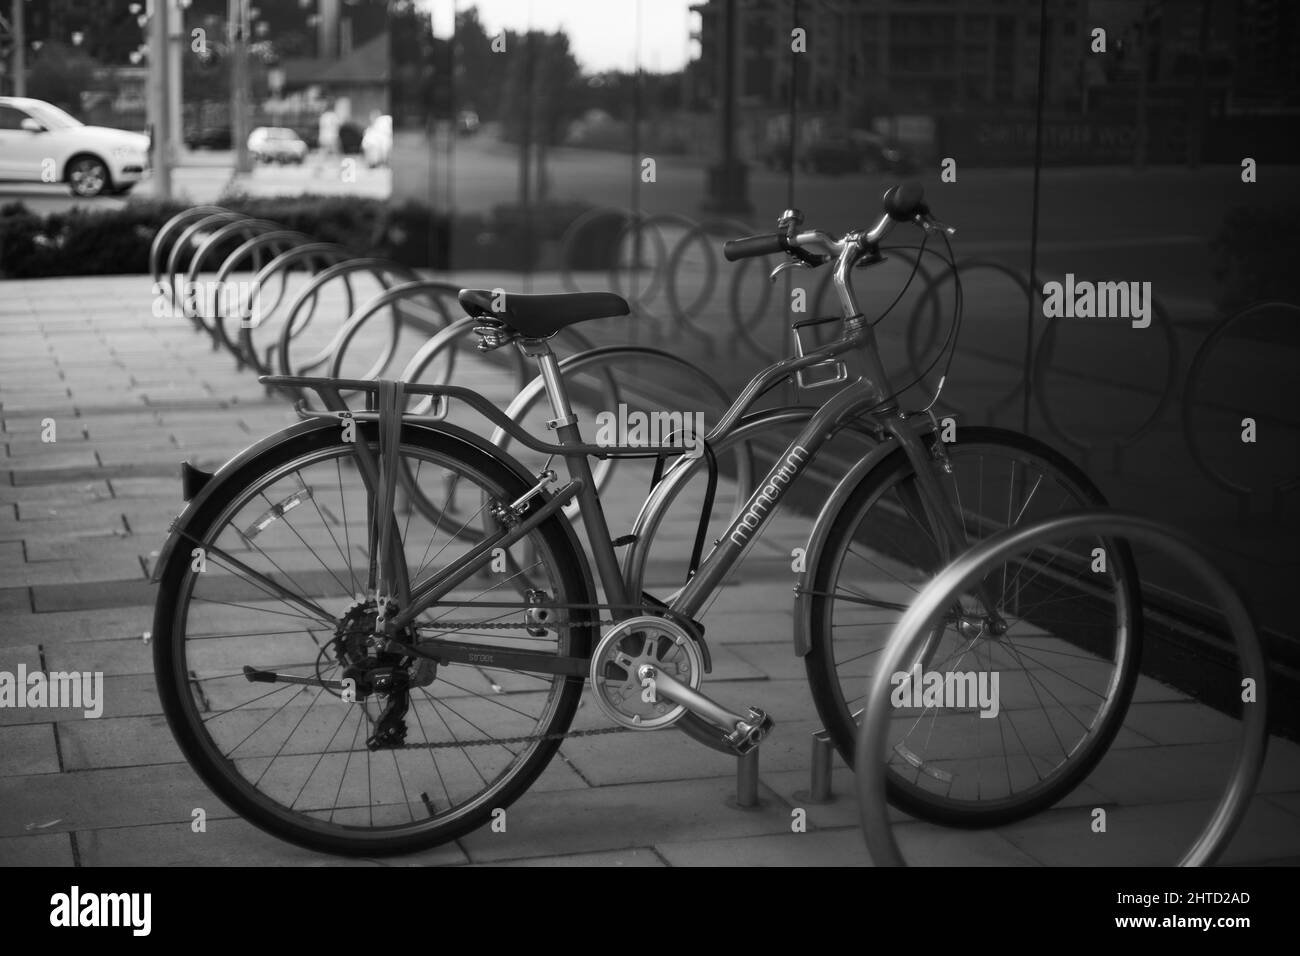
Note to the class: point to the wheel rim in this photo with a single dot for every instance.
(88, 177)
(407, 792)
(1049, 721)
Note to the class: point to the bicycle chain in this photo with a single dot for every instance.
(485, 626)
(502, 741)
(526, 739)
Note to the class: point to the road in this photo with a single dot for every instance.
(1111, 222)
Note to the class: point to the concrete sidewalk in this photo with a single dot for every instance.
(82, 519)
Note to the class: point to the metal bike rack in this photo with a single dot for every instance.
(379, 268)
(189, 238)
(212, 324)
(933, 603)
(309, 253)
(434, 291)
(160, 248)
(819, 785)
(1043, 362)
(746, 782)
(702, 235)
(256, 247)
(1194, 373)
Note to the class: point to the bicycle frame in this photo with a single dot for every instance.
(865, 396)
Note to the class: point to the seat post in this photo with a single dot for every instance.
(556, 393)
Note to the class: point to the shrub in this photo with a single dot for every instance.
(116, 241)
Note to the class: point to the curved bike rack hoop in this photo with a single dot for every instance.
(246, 227)
(312, 252)
(379, 268)
(571, 236)
(603, 358)
(274, 242)
(1043, 358)
(432, 289)
(700, 234)
(1189, 388)
(189, 237)
(161, 245)
(926, 612)
(916, 350)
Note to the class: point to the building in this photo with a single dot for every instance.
(895, 56)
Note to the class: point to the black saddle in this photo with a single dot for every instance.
(538, 316)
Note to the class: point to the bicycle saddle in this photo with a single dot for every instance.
(537, 316)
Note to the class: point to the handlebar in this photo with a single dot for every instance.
(902, 203)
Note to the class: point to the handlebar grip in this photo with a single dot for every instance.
(752, 246)
(904, 201)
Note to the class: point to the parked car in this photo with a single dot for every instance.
(857, 150)
(209, 137)
(276, 144)
(377, 142)
(835, 153)
(40, 143)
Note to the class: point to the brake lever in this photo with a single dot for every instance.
(929, 224)
(788, 264)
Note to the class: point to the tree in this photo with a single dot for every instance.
(542, 89)
(60, 74)
(477, 72)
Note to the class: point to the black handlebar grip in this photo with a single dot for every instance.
(752, 246)
(904, 201)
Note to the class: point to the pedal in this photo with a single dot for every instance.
(740, 734)
(749, 733)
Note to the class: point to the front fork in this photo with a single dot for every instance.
(944, 518)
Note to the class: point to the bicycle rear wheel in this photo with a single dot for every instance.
(285, 542)
(989, 725)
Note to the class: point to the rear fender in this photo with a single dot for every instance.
(476, 443)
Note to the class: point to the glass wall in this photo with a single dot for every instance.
(1115, 172)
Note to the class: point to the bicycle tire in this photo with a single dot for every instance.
(837, 714)
(208, 514)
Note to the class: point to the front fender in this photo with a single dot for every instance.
(821, 529)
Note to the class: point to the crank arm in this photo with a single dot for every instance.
(256, 676)
(742, 734)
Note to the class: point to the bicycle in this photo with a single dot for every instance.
(410, 642)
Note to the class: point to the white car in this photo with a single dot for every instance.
(377, 142)
(39, 143)
(276, 144)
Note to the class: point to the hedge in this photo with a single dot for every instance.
(116, 241)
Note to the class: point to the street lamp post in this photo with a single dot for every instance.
(18, 63)
(175, 50)
(160, 144)
(238, 17)
(728, 185)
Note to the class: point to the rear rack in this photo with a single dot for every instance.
(337, 409)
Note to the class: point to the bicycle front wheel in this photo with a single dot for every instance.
(1006, 708)
(272, 573)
